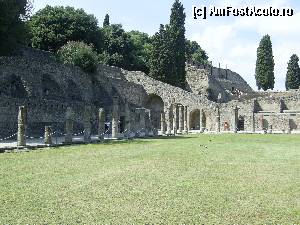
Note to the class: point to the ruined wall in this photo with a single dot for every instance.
(35, 79)
(217, 84)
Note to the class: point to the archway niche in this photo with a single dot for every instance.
(13, 87)
(73, 91)
(195, 120)
(241, 123)
(51, 89)
(156, 105)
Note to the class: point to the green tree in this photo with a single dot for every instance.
(79, 54)
(117, 50)
(293, 73)
(265, 65)
(167, 60)
(53, 27)
(161, 58)
(177, 38)
(141, 51)
(13, 31)
(195, 53)
(106, 21)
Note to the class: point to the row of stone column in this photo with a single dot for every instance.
(145, 124)
(170, 124)
(69, 125)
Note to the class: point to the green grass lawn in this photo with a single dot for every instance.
(209, 179)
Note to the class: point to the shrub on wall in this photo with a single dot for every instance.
(79, 54)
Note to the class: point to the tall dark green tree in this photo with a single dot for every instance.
(293, 73)
(264, 75)
(53, 27)
(161, 57)
(13, 31)
(177, 35)
(106, 21)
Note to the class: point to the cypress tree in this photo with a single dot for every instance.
(168, 54)
(177, 44)
(293, 73)
(161, 56)
(265, 78)
(106, 21)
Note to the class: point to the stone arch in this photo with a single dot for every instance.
(13, 87)
(156, 105)
(195, 120)
(241, 123)
(73, 91)
(51, 89)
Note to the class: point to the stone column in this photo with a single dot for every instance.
(22, 126)
(87, 125)
(69, 131)
(48, 136)
(200, 120)
(235, 116)
(262, 122)
(127, 118)
(148, 125)
(142, 119)
(252, 119)
(218, 125)
(163, 123)
(288, 126)
(181, 118)
(69, 126)
(101, 124)
(270, 129)
(185, 123)
(115, 118)
(175, 127)
(169, 120)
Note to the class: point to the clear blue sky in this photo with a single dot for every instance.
(228, 40)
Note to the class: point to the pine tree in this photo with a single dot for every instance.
(177, 38)
(265, 65)
(293, 73)
(106, 21)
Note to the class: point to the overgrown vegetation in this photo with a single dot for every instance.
(79, 54)
(53, 27)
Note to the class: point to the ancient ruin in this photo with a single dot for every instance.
(124, 103)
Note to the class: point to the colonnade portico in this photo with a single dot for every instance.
(174, 120)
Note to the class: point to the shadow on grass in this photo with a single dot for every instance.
(144, 140)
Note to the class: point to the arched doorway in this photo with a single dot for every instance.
(195, 120)
(241, 123)
(51, 89)
(156, 105)
(73, 91)
(13, 87)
